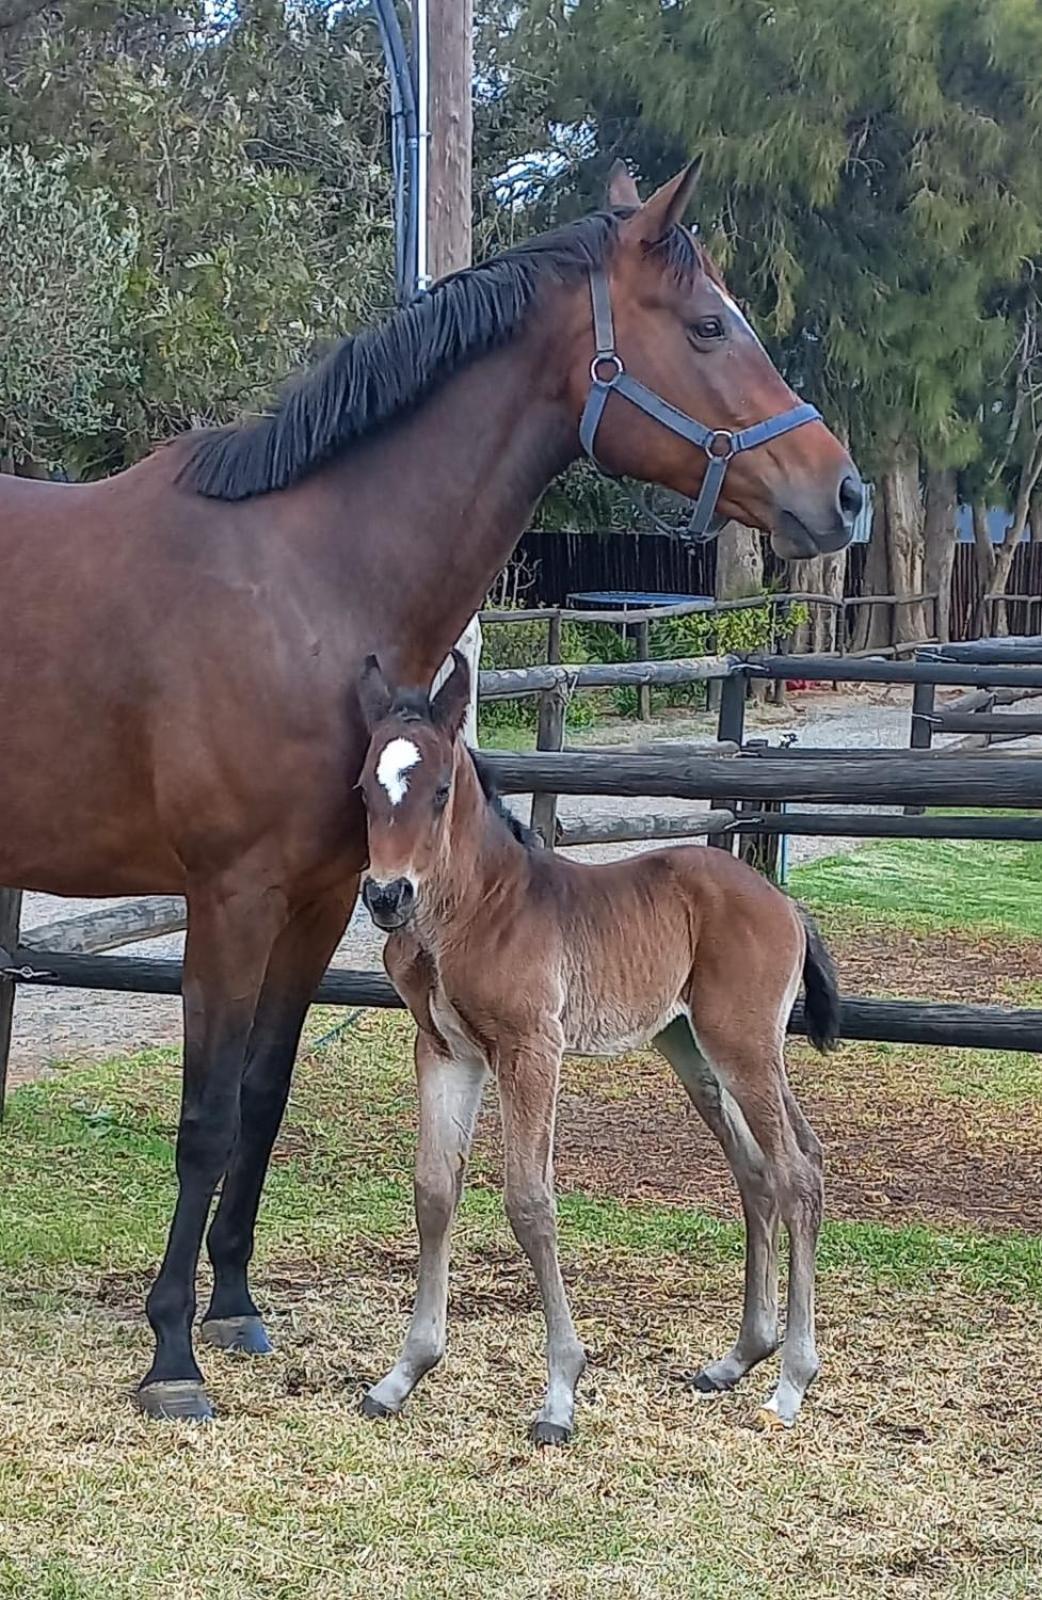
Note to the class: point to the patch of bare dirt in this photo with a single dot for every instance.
(973, 968)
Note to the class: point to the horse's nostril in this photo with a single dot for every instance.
(851, 497)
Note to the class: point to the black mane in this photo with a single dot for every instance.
(385, 372)
(526, 836)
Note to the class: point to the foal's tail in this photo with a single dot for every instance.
(822, 1004)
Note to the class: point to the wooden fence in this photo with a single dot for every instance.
(745, 788)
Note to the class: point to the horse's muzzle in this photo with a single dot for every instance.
(389, 904)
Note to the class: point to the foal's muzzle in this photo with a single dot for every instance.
(389, 904)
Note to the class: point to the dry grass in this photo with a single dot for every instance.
(914, 1472)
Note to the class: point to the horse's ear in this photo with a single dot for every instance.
(374, 693)
(449, 705)
(667, 205)
(622, 190)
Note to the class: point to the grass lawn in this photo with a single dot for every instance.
(932, 883)
(914, 1470)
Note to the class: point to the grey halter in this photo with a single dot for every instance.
(719, 444)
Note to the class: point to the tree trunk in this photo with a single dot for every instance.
(1035, 521)
(739, 562)
(824, 628)
(983, 547)
(872, 629)
(1005, 555)
(939, 533)
(903, 500)
(739, 572)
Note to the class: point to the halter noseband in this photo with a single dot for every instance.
(719, 444)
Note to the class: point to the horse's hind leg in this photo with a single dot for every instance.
(298, 961)
(758, 1334)
(232, 928)
(450, 1099)
(528, 1098)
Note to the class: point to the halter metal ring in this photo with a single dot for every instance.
(729, 446)
(598, 361)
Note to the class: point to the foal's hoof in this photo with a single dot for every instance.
(547, 1434)
(243, 1334)
(375, 1409)
(178, 1400)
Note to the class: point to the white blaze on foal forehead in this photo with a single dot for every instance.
(396, 757)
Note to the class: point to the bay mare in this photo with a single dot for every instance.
(508, 956)
(179, 642)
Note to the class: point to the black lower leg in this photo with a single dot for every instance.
(300, 958)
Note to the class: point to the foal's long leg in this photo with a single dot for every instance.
(745, 1052)
(450, 1099)
(232, 928)
(528, 1097)
(758, 1334)
(298, 961)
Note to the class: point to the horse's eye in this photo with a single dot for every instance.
(441, 797)
(708, 328)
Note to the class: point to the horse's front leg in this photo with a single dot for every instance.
(233, 924)
(450, 1099)
(300, 957)
(528, 1079)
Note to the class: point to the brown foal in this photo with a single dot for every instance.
(508, 956)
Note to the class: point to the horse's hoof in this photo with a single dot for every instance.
(550, 1434)
(768, 1421)
(245, 1335)
(178, 1400)
(375, 1409)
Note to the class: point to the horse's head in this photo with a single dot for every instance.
(407, 786)
(665, 329)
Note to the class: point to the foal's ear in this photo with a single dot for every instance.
(449, 705)
(622, 190)
(374, 693)
(667, 205)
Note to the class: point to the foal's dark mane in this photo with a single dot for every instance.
(526, 836)
(385, 372)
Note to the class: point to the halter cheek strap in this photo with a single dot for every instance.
(608, 376)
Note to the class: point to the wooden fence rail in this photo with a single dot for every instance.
(902, 1021)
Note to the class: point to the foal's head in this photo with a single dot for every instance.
(409, 787)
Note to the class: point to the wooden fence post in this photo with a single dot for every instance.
(553, 640)
(921, 736)
(553, 704)
(644, 654)
(730, 726)
(10, 924)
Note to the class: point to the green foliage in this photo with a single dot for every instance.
(872, 177)
(68, 257)
(247, 158)
(515, 645)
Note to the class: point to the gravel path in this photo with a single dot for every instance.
(68, 1025)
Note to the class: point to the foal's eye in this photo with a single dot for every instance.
(441, 797)
(708, 328)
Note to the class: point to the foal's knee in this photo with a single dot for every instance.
(530, 1211)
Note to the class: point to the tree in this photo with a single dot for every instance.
(872, 181)
(68, 256)
(246, 152)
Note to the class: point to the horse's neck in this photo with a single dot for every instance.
(483, 875)
(448, 494)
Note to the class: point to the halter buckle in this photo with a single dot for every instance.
(729, 449)
(598, 361)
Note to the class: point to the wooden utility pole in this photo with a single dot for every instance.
(451, 120)
(448, 220)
